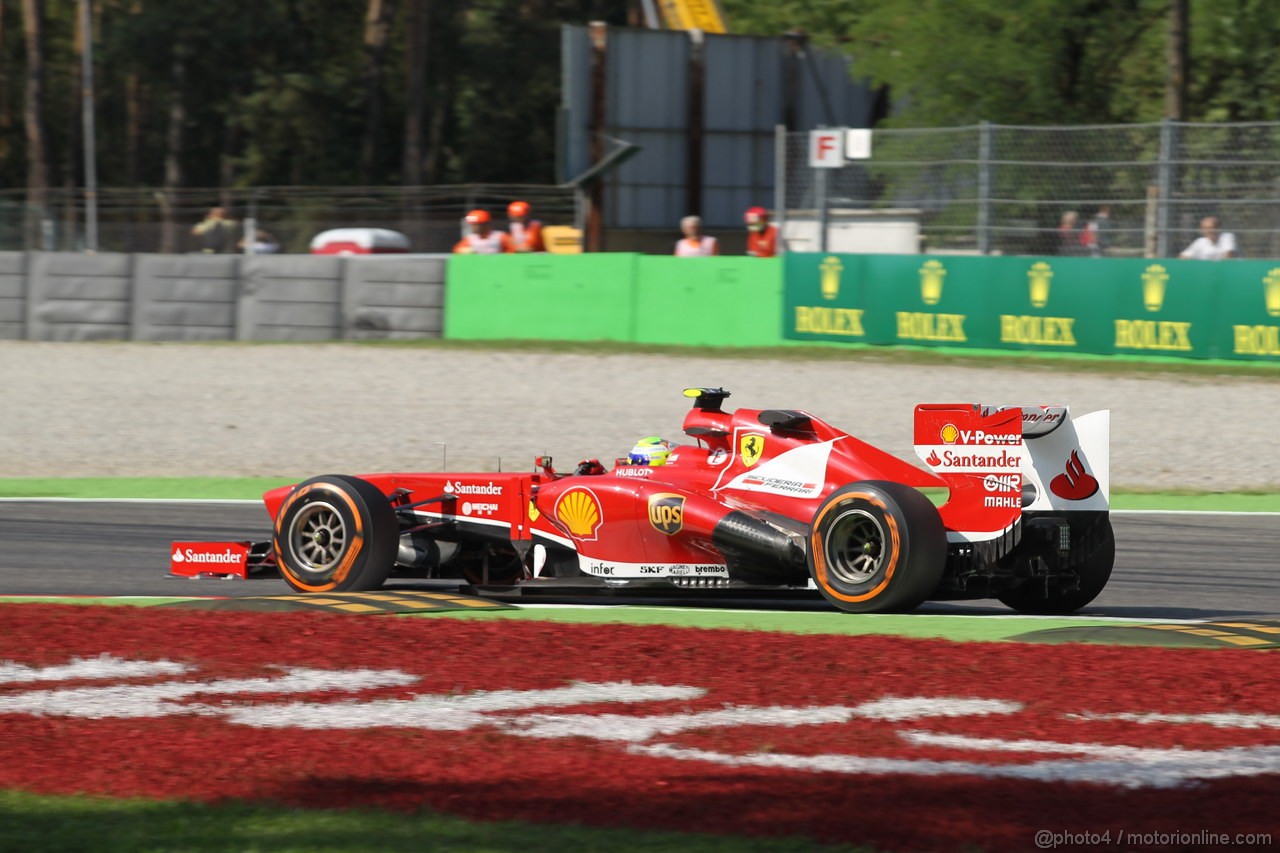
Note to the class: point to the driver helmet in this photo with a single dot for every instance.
(651, 450)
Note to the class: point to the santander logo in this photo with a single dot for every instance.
(191, 555)
(1075, 483)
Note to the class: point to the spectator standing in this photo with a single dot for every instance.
(1212, 244)
(762, 237)
(1068, 238)
(1096, 236)
(216, 231)
(526, 233)
(695, 244)
(483, 238)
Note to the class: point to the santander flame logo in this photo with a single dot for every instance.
(1075, 483)
(934, 459)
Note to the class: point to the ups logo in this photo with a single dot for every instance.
(666, 513)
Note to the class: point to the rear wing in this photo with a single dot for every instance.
(1067, 462)
(1001, 461)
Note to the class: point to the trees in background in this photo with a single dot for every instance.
(289, 92)
(956, 62)
(325, 92)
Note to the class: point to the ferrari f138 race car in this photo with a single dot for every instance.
(770, 501)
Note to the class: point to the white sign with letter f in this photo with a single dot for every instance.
(826, 148)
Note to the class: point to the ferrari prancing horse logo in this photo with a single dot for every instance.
(750, 447)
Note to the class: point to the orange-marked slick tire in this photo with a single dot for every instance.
(336, 534)
(876, 546)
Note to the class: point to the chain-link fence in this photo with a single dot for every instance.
(1006, 189)
(983, 188)
(151, 220)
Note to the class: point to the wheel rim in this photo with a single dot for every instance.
(317, 538)
(855, 546)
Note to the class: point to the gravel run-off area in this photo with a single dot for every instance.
(294, 410)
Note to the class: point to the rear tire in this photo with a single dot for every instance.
(876, 547)
(336, 534)
(1094, 570)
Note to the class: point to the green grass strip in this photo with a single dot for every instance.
(251, 488)
(160, 488)
(978, 628)
(74, 823)
(1203, 501)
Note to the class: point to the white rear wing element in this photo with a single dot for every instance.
(1066, 461)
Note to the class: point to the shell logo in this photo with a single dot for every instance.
(949, 433)
(579, 511)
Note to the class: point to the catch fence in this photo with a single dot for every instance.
(156, 220)
(1005, 189)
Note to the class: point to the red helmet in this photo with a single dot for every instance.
(755, 215)
(518, 209)
(478, 217)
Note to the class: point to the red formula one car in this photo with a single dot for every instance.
(774, 501)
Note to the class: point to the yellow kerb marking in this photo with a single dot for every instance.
(1247, 641)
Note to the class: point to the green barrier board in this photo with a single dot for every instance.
(1095, 306)
(1100, 306)
(1248, 319)
(541, 297)
(724, 301)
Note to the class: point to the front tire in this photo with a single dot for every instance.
(336, 534)
(877, 546)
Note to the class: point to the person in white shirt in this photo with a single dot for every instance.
(695, 244)
(1212, 244)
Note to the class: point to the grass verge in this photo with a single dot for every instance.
(48, 823)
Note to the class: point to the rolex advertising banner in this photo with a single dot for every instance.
(1248, 318)
(931, 301)
(1052, 304)
(825, 298)
(1163, 307)
(1065, 305)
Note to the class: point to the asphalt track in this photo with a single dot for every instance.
(1168, 565)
